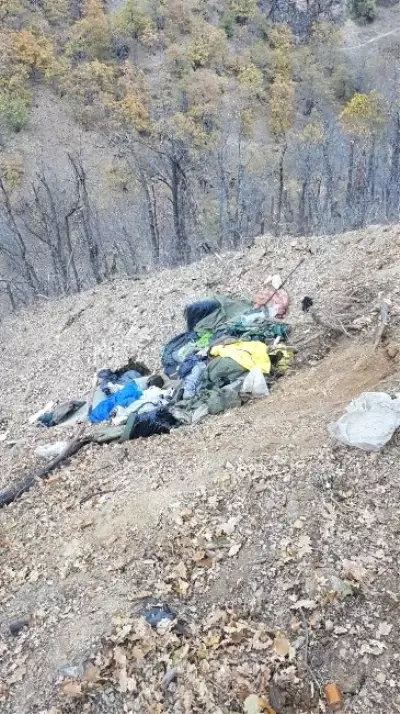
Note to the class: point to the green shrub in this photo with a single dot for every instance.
(228, 22)
(14, 112)
(242, 10)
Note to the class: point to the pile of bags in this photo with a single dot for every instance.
(232, 350)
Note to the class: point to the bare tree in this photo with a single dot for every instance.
(87, 218)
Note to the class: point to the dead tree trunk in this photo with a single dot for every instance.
(71, 257)
(28, 269)
(92, 240)
(178, 186)
(281, 189)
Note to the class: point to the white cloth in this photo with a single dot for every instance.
(151, 399)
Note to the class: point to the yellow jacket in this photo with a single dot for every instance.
(247, 354)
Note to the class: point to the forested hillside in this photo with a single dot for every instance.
(149, 132)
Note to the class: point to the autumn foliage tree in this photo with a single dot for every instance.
(91, 35)
(220, 121)
(363, 118)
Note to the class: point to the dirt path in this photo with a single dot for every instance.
(377, 38)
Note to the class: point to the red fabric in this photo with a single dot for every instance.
(277, 301)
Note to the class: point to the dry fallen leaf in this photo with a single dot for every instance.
(212, 640)
(228, 527)
(266, 707)
(234, 549)
(120, 656)
(252, 704)
(199, 555)
(122, 677)
(298, 524)
(180, 571)
(131, 684)
(205, 563)
(181, 587)
(180, 654)
(355, 571)
(137, 653)
(304, 605)
(92, 674)
(281, 646)
(374, 647)
(18, 675)
(315, 619)
(384, 630)
(304, 546)
(71, 689)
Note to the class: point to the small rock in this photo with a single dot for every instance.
(72, 672)
(157, 614)
(392, 350)
(299, 642)
(338, 630)
(169, 677)
(16, 626)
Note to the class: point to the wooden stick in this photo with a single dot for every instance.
(306, 341)
(296, 267)
(383, 322)
(15, 490)
(336, 329)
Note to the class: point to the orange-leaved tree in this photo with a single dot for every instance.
(363, 119)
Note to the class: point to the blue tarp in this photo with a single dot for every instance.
(123, 398)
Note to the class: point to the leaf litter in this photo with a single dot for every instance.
(275, 541)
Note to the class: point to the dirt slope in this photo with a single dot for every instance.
(80, 549)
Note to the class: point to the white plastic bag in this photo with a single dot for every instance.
(370, 422)
(275, 281)
(370, 401)
(50, 451)
(254, 383)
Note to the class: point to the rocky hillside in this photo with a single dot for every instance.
(277, 551)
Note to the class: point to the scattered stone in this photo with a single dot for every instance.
(16, 626)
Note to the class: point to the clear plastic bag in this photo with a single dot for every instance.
(254, 383)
